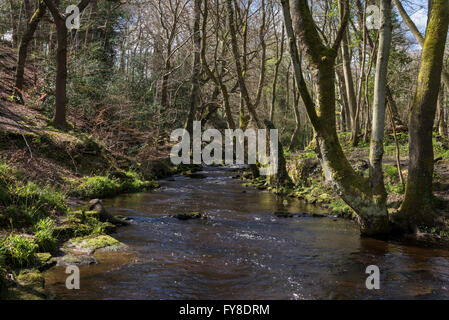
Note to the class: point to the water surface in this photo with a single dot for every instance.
(243, 251)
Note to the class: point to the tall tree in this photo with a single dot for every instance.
(354, 190)
(378, 122)
(61, 60)
(23, 49)
(196, 66)
(417, 207)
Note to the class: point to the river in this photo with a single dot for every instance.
(243, 251)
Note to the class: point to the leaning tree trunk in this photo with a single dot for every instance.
(417, 206)
(353, 189)
(23, 50)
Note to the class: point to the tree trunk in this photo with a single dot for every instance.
(297, 118)
(349, 86)
(236, 54)
(378, 123)
(279, 53)
(59, 119)
(23, 50)
(196, 67)
(442, 125)
(61, 75)
(417, 206)
(354, 189)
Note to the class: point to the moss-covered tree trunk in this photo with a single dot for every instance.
(417, 206)
(354, 189)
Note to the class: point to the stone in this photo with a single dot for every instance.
(189, 216)
(283, 214)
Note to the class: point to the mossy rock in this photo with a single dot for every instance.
(67, 231)
(92, 214)
(45, 260)
(108, 227)
(91, 244)
(31, 278)
(29, 286)
(76, 259)
(190, 216)
(283, 214)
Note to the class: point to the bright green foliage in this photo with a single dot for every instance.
(45, 239)
(19, 250)
(109, 186)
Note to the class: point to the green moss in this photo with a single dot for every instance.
(92, 243)
(109, 186)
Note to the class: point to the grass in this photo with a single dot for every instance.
(109, 186)
(18, 251)
(26, 203)
(44, 235)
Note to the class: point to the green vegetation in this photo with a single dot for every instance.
(109, 186)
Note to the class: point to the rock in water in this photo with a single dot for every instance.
(189, 216)
(104, 216)
(283, 214)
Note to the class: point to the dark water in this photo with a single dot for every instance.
(242, 251)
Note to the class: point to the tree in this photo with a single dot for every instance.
(61, 60)
(196, 66)
(378, 124)
(354, 189)
(23, 49)
(417, 207)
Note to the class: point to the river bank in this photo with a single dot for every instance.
(47, 178)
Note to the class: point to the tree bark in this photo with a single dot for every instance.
(354, 189)
(23, 50)
(417, 206)
(59, 119)
(236, 54)
(378, 123)
(196, 67)
(442, 125)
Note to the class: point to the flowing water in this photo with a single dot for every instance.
(243, 251)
